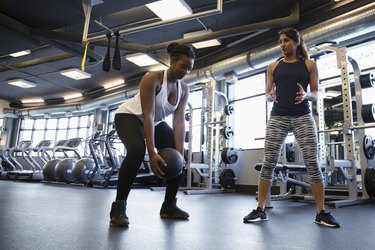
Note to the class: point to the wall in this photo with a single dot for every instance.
(3, 104)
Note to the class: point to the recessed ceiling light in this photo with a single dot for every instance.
(76, 74)
(20, 53)
(33, 100)
(72, 96)
(203, 44)
(22, 83)
(141, 59)
(169, 9)
(113, 83)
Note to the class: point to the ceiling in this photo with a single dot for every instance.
(53, 31)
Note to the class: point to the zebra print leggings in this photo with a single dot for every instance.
(304, 130)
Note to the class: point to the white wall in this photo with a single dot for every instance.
(3, 104)
(244, 167)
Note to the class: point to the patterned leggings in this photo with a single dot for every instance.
(304, 130)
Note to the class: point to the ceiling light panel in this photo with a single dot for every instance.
(203, 44)
(22, 83)
(75, 74)
(169, 9)
(141, 59)
(20, 53)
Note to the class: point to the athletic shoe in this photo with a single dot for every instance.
(326, 219)
(256, 215)
(169, 209)
(118, 214)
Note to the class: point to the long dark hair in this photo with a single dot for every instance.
(176, 50)
(295, 36)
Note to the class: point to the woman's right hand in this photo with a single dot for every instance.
(271, 96)
(156, 163)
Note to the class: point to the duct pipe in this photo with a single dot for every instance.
(218, 10)
(90, 105)
(244, 29)
(355, 23)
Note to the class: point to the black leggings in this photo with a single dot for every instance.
(130, 130)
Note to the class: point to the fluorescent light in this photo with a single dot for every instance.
(34, 100)
(113, 83)
(72, 96)
(168, 9)
(76, 74)
(22, 83)
(20, 53)
(203, 44)
(159, 67)
(141, 59)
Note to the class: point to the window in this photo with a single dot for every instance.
(249, 117)
(249, 123)
(56, 129)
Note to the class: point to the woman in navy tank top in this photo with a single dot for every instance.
(287, 87)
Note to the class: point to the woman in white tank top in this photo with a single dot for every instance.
(140, 124)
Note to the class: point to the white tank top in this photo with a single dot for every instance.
(162, 107)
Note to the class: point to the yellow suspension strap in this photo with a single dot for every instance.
(86, 42)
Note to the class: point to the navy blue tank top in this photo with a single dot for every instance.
(286, 77)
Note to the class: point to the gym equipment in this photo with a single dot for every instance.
(229, 155)
(64, 170)
(368, 113)
(227, 132)
(107, 177)
(367, 80)
(227, 178)
(369, 147)
(49, 166)
(228, 109)
(370, 181)
(107, 59)
(52, 171)
(24, 165)
(89, 167)
(216, 133)
(174, 162)
(289, 152)
(116, 63)
(352, 131)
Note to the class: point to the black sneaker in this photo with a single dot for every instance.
(118, 214)
(256, 215)
(169, 209)
(326, 219)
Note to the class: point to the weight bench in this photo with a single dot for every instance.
(282, 172)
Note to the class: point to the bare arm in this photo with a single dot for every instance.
(270, 84)
(314, 84)
(179, 119)
(148, 89)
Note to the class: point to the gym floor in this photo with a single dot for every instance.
(50, 216)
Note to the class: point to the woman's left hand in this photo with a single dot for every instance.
(300, 95)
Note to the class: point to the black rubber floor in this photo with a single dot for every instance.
(50, 216)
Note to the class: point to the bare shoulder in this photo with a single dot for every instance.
(271, 67)
(310, 63)
(154, 78)
(184, 87)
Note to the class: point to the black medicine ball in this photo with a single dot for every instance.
(174, 162)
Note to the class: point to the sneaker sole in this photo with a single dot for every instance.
(256, 220)
(167, 216)
(119, 224)
(326, 224)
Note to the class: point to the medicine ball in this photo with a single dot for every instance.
(174, 162)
